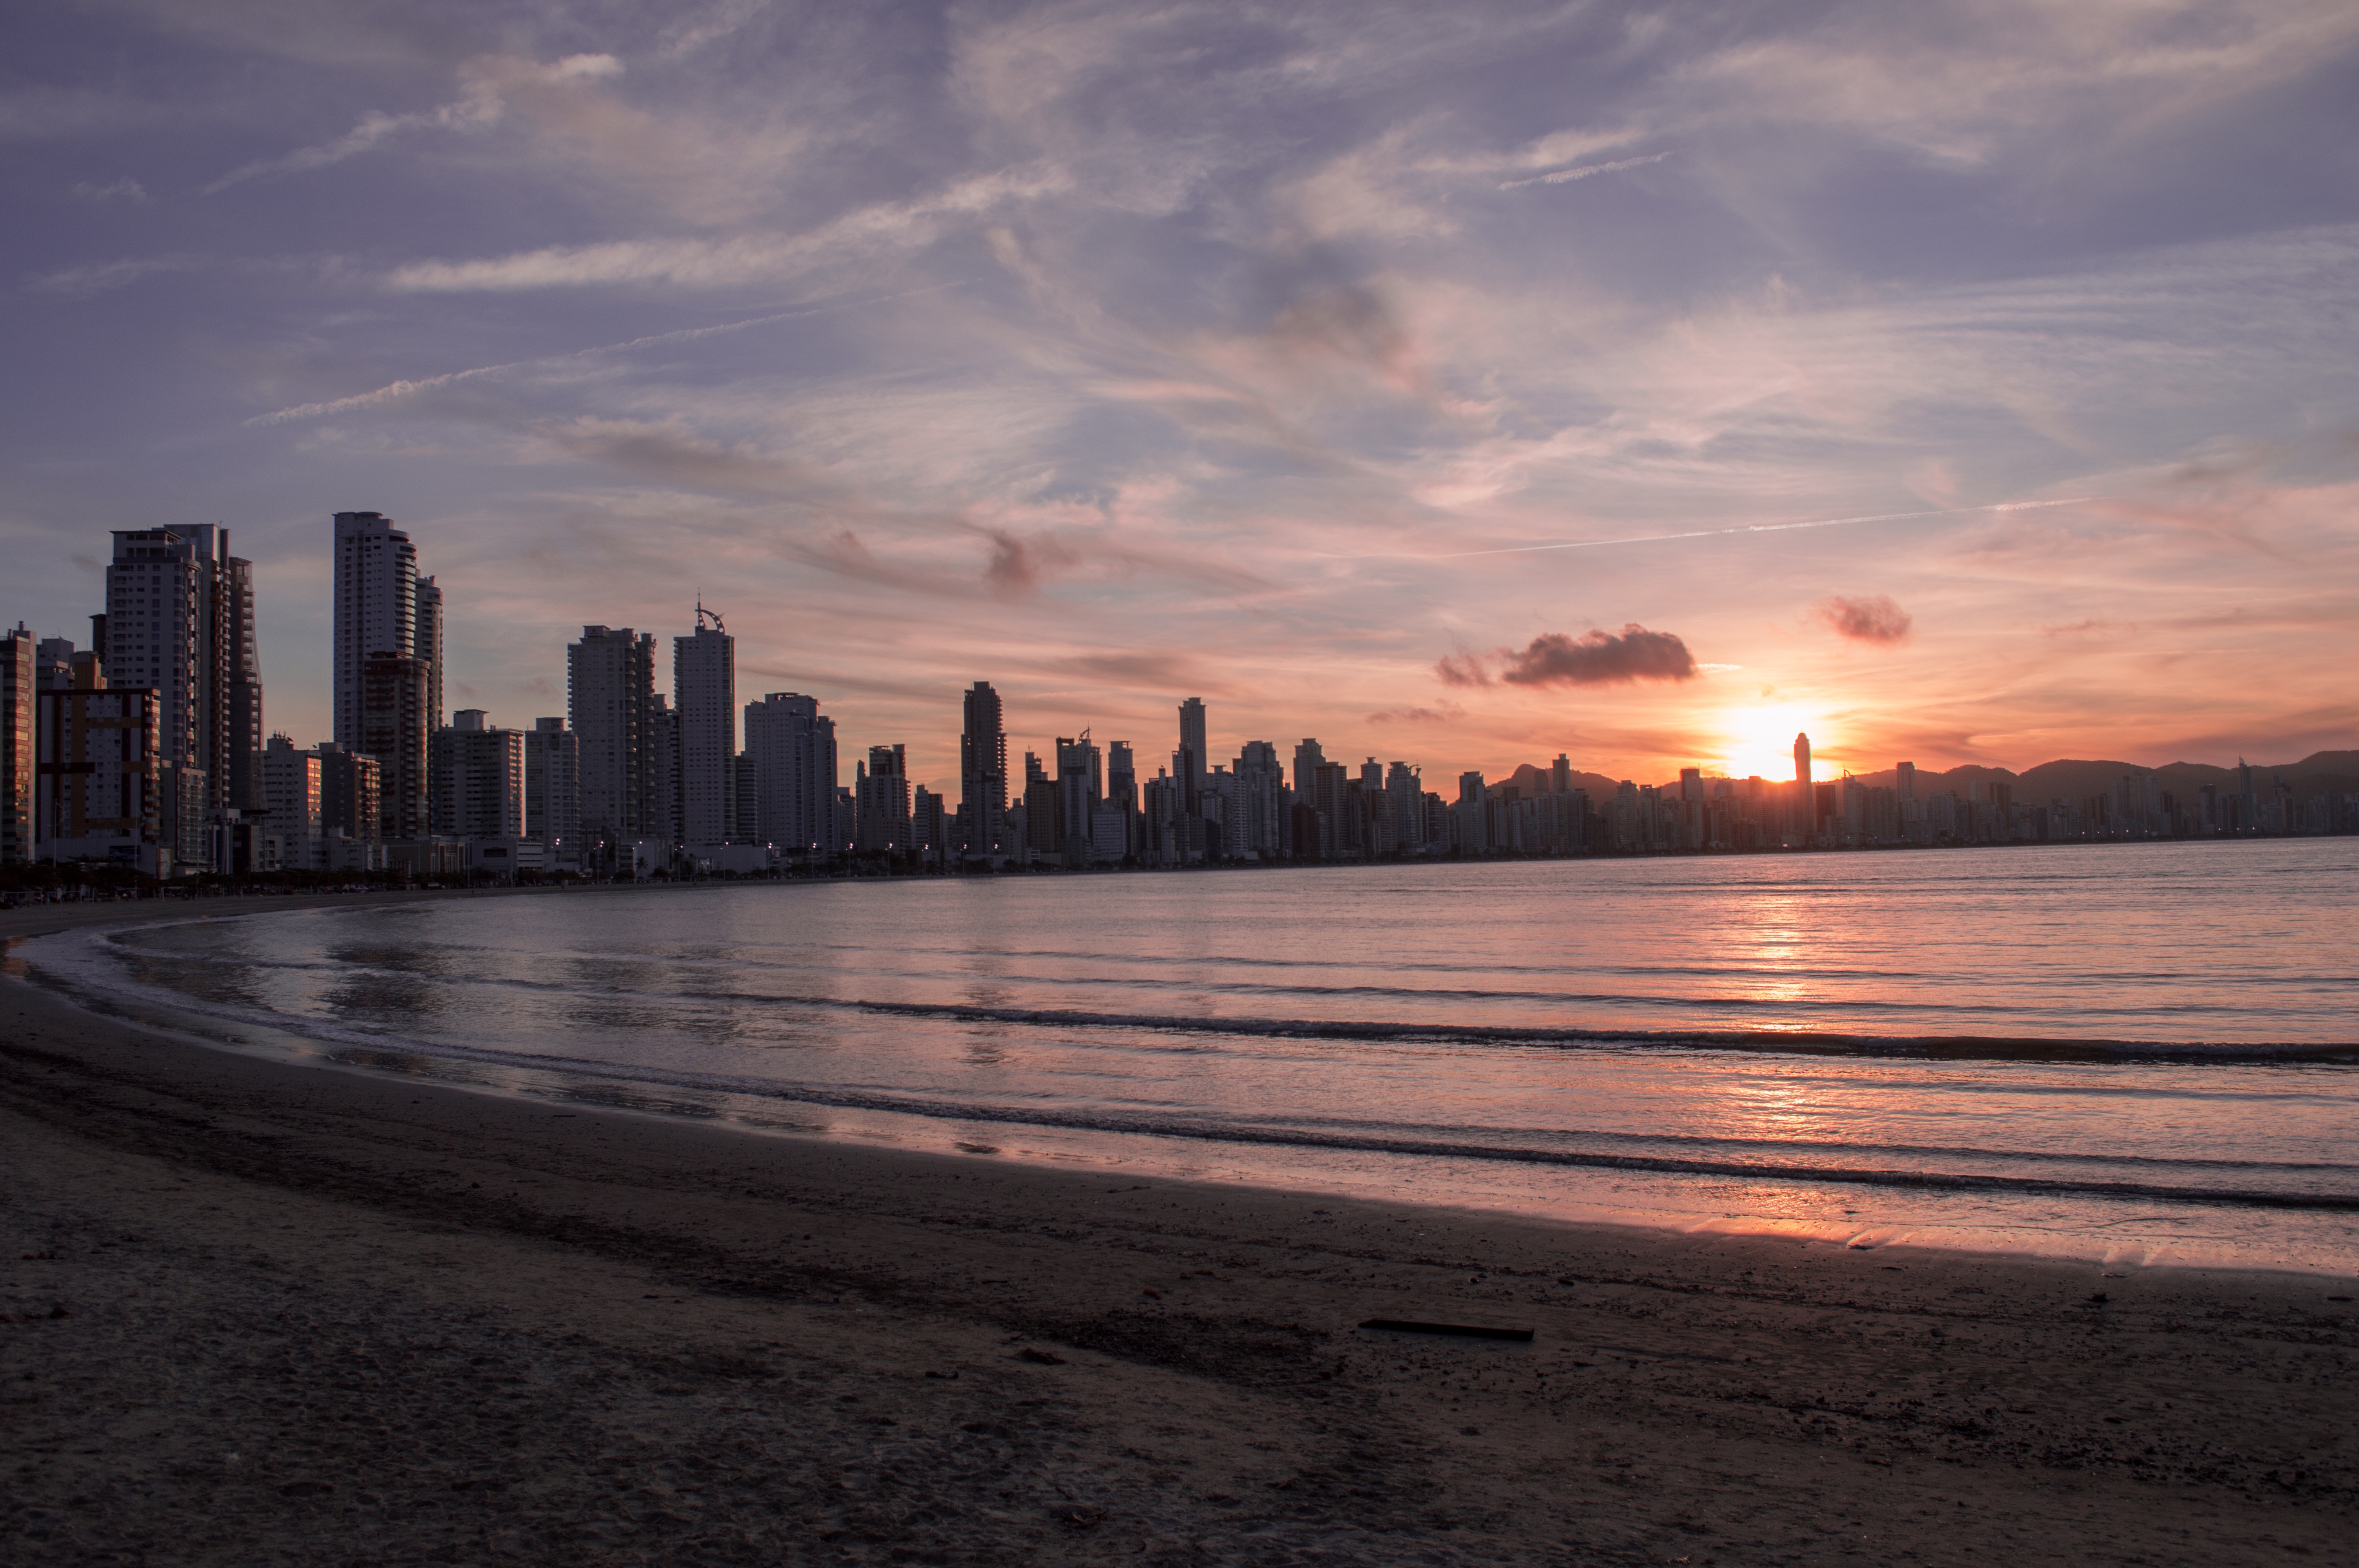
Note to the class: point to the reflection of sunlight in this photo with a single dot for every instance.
(1760, 739)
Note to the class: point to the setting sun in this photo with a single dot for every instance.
(1760, 739)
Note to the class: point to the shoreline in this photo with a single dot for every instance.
(1166, 1151)
(480, 1325)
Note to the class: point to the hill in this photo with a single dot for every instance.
(2328, 772)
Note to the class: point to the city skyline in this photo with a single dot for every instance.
(1486, 384)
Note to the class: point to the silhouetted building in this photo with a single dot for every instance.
(983, 776)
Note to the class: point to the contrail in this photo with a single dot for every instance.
(1748, 528)
(1565, 175)
(398, 389)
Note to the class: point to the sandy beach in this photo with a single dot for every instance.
(253, 1312)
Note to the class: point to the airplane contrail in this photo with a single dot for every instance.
(1565, 175)
(1747, 528)
(398, 389)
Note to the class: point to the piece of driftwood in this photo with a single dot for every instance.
(1464, 1330)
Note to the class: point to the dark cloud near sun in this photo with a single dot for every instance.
(1593, 658)
(1873, 619)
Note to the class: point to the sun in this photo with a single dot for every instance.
(1760, 738)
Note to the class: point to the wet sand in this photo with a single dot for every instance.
(259, 1312)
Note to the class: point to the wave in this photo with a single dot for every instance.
(1797, 1041)
(1753, 1160)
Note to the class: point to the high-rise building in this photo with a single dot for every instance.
(478, 779)
(1407, 791)
(929, 826)
(1690, 784)
(394, 693)
(293, 795)
(18, 725)
(376, 609)
(704, 695)
(179, 620)
(426, 643)
(1469, 818)
(243, 710)
(1261, 829)
(1802, 761)
(881, 801)
(610, 685)
(745, 814)
(793, 749)
(1560, 774)
(663, 791)
(95, 772)
(1905, 780)
(1190, 769)
(1081, 786)
(552, 792)
(983, 776)
(352, 796)
(1306, 760)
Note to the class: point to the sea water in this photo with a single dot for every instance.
(2094, 1051)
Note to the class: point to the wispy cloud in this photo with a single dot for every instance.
(1567, 175)
(878, 231)
(124, 189)
(480, 108)
(99, 277)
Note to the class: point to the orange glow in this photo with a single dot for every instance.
(1760, 739)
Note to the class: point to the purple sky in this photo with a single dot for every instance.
(1418, 378)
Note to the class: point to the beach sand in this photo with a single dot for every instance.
(259, 1312)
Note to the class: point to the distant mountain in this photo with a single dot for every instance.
(1530, 781)
(2329, 772)
(2333, 772)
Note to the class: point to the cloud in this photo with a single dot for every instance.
(1442, 714)
(755, 257)
(124, 189)
(98, 277)
(1601, 658)
(1462, 669)
(1874, 618)
(1020, 566)
(480, 107)
(1566, 175)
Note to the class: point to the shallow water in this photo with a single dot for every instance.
(1595, 1041)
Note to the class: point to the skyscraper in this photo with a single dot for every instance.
(1802, 763)
(96, 774)
(388, 665)
(1407, 792)
(793, 749)
(17, 710)
(610, 704)
(1190, 768)
(552, 792)
(881, 797)
(704, 695)
(1261, 803)
(426, 643)
(377, 608)
(179, 621)
(983, 776)
(478, 779)
(292, 794)
(1905, 780)
(394, 688)
(1308, 756)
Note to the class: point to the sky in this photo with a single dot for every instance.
(1971, 383)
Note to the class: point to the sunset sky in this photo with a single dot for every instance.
(1466, 383)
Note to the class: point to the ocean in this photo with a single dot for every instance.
(2106, 1052)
